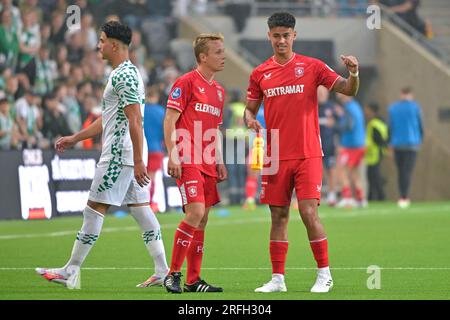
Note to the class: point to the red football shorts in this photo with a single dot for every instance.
(155, 160)
(195, 186)
(351, 157)
(305, 175)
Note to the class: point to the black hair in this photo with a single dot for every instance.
(3, 100)
(117, 30)
(406, 90)
(281, 19)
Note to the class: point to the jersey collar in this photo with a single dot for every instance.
(286, 63)
(204, 79)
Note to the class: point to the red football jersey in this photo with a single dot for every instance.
(201, 104)
(289, 92)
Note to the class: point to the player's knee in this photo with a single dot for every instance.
(309, 213)
(280, 218)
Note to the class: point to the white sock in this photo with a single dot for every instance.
(151, 235)
(324, 271)
(86, 237)
(278, 277)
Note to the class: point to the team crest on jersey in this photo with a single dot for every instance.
(299, 72)
(192, 191)
(219, 94)
(176, 93)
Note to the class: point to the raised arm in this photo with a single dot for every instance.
(348, 86)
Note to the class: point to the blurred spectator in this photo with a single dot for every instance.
(236, 133)
(134, 60)
(138, 47)
(9, 134)
(9, 41)
(54, 122)
(16, 21)
(328, 137)
(406, 135)
(10, 92)
(407, 10)
(29, 44)
(45, 32)
(32, 5)
(29, 118)
(58, 26)
(46, 72)
(75, 47)
(351, 154)
(66, 96)
(154, 134)
(88, 33)
(376, 143)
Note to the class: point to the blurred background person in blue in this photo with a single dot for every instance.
(406, 135)
(352, 130)
(154, 134)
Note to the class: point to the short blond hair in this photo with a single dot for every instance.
(201, 43)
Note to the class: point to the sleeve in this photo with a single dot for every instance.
(325, 75)
(179, 95)
(125, 83)
(254, 91)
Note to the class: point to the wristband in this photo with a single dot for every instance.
(354, 74)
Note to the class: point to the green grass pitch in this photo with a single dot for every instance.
(410, 246)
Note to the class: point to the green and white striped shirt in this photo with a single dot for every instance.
(124, 87)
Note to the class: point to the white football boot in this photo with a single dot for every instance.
(324, 282)
(275, 285)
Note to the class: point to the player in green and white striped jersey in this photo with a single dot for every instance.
(121, 175)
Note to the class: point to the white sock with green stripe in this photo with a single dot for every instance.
(151, 235)
(86, 237)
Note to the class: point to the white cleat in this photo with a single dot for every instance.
(53, 275)
(347, 203)
(323, 284)
(60, 276)
(154, 281)
(272, 286)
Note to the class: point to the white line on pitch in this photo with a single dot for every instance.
(242, 268)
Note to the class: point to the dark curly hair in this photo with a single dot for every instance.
(117, 30)
(281, 19)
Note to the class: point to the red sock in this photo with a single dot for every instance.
(194, 257)
(359, 194)
(251, 187)
(183, 238)
(320, 252)
(346, 192)
(278, 252)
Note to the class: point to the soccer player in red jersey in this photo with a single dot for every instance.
(287, 83)
(194, 113)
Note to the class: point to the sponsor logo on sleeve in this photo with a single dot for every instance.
(176, 93)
